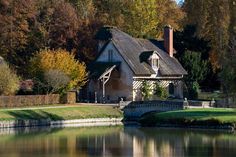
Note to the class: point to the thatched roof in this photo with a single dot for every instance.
(131, 48)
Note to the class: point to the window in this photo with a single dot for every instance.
(155, 62)
(171, 89)
(110, 55)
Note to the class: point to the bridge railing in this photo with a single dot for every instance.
(156, 103)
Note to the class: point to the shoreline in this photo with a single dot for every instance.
(105, 122)
(182, 126)
(198, 127)
(60, 123)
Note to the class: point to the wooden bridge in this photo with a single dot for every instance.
(135, 110)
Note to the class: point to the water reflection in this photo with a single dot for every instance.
(115, 142)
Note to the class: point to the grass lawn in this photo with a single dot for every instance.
(203, 116)
(62, 113)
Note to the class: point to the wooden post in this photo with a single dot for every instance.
(96, 97)
(103, 90)
(105, 78)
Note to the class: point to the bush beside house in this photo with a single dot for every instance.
(153, 91)
(56, 71)
(9, 81)
(160, 92)
(53, 72)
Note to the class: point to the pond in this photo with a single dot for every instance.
(115, 141)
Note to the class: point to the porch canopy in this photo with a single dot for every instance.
(102, 71)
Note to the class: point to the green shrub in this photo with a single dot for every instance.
(9, 81)
(161, 92)
(193, 90)
(146, 90)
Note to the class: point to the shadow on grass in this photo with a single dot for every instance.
(32, 115)
(39, 124)
(185, 118)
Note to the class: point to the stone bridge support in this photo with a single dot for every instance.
(137, 109)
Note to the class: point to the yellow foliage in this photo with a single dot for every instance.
(214, 59)
(9, 81)
(61, 60)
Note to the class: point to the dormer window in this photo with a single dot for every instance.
(155, 62)
(152, 58)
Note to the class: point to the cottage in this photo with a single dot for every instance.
(124, 62)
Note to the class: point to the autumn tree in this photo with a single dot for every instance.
(169, 13)
(60, 60)
(57, 24)
(85, 10)
(56, 81)
(211, 18)
(63, 26)
(141, 18)
(232, 26)
(16, 19)
(137, 18)
(111, 12)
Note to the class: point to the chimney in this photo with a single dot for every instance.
(168, 40)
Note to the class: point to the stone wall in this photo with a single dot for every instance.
(226, 102)
(29, 100)
(203, 104)
(61, 123)
(68, 98)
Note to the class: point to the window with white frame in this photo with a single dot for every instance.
(155, 62)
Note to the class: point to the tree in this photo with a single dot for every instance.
(111, 12)
(56, 80)
(63, 26)
(60, 60)
(232, 26)
(195, 66)
(9, 81)
(87, 44)
(138, 18)
(142, 18)
(16, 19)
(169, 13)
(57, 25)
(197, 70)
(212, 19)
(85, 10)
(228, 73)
(89, 23)
(187, 39)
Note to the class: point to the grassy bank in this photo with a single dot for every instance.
(192, 117)
(61, 113)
